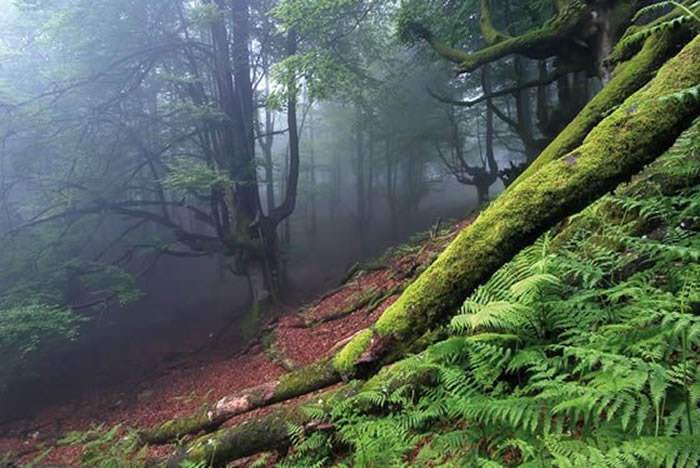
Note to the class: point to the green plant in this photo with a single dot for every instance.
(115, 447)
(582, 351)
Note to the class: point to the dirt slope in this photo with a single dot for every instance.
(295, 339)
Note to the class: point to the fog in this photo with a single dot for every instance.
(166, 167)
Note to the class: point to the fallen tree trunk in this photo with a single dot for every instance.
(632, 136)
(299, 382)
(272, 431)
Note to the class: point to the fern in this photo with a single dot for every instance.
(582, 351)
(687, 13)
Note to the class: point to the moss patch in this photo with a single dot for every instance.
(344, 361)
(305, 380)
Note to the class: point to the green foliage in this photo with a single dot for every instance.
(582, 351)
(688, 13)
(112, 447)
(44, 274)
(187, 175)
(28, 330)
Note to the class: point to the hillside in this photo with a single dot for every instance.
(181, 388)
(596, 322)
(557, 327)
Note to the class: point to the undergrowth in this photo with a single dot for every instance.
(583, 351)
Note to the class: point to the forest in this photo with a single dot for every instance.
(349, 233)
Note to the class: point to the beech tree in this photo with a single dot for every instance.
(650, 73)
(192, 73)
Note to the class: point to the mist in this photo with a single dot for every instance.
(168, 167)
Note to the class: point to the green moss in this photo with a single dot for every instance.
(249, 323)
(629, 77)
(175, 428)
(230, 444)
(344, 361)
(488, 31)
(305, 380)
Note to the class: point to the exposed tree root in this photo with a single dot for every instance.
(368, 301)
(363, 299)
(359, 269)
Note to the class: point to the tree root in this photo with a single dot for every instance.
(369, 301)
(359, 269)
(364, 299)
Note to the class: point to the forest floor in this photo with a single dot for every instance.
(178, 389)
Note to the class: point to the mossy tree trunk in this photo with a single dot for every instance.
(579, 34)
(638, 131)
(271, 432)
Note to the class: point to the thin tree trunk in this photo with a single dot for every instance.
(360, 193)
(313, 228)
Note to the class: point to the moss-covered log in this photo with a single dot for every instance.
(255, 436)
(272, 431)
(633, 135)
(299, 382)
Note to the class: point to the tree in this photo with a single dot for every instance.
(621, 145)
(648, 101)
(129, 133)
(191, 75)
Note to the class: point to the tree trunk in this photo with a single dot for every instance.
(271, 432)
(490, 165)
(390, 181)
(268, 433)
(266, 144)
(360, 186)
(635, 134)
(313, 221)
